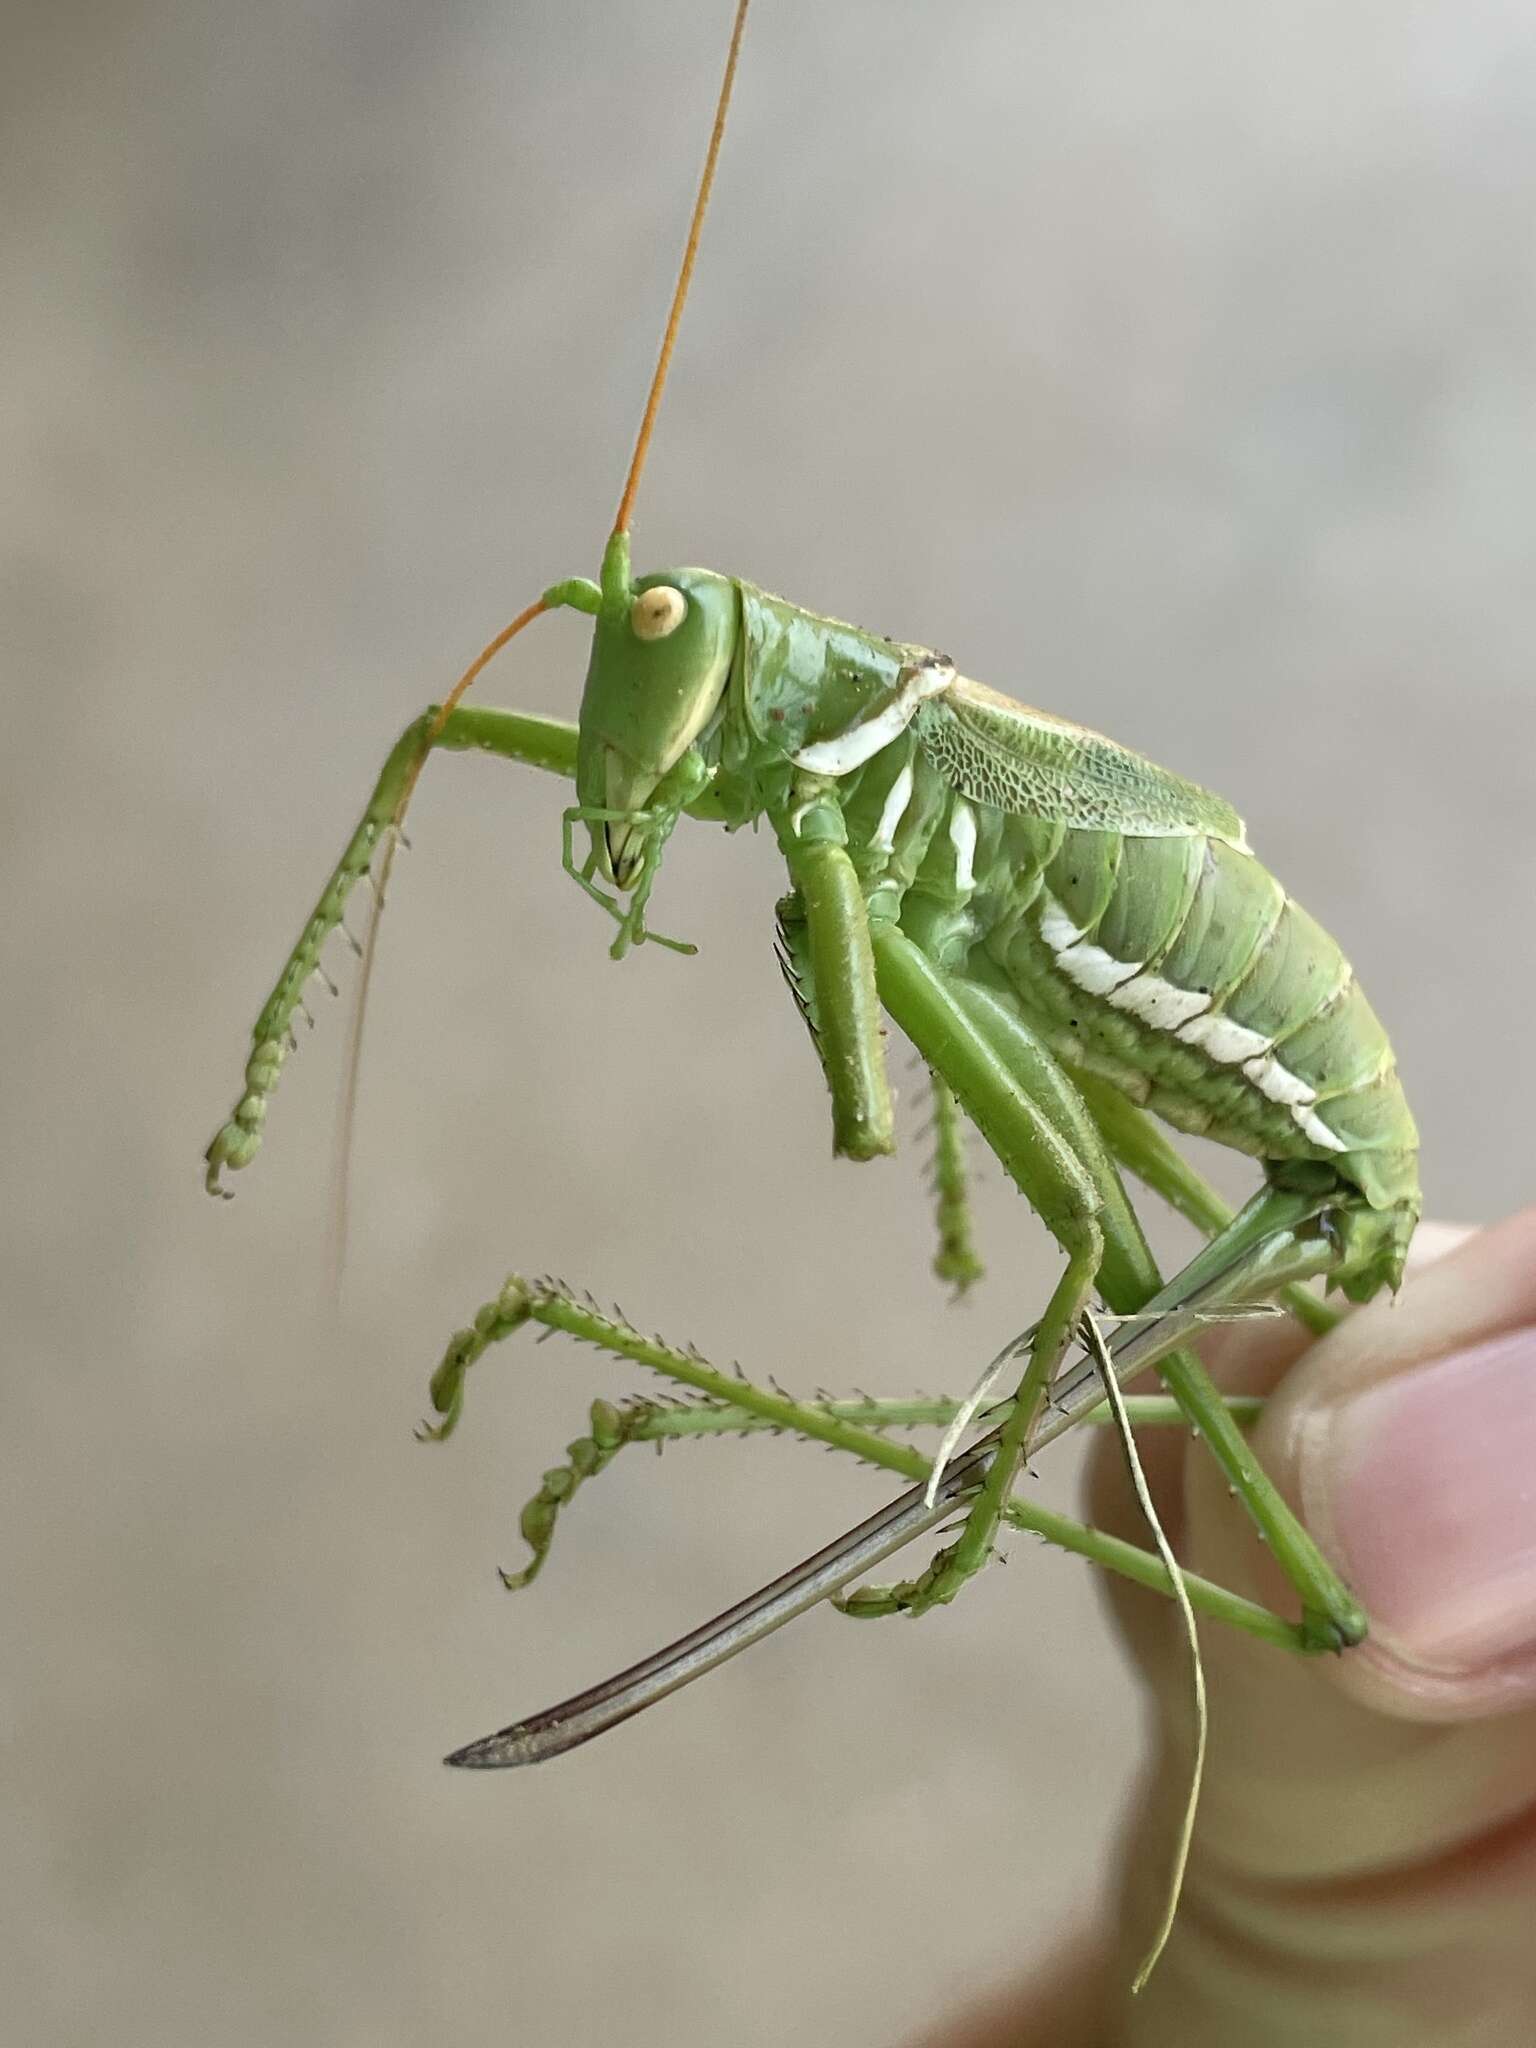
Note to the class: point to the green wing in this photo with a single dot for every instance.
(1002, 753)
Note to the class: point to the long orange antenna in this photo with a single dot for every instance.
(684, 276)
(381, 876)
(450, 703)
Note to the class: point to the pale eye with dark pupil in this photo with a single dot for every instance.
(657, 612)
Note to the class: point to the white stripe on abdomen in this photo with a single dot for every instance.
(1162, 1006)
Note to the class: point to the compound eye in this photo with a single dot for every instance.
(657, 612)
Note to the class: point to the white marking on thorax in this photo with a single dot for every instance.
(962, 836)
(895, 809)
(861, 741)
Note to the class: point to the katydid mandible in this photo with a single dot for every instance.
(1082, 947)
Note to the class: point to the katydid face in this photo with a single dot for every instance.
(659, 665)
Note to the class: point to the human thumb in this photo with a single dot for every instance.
(1364, 1867)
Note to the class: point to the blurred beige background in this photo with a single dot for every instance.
(1172, 365)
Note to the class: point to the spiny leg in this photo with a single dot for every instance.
(825, 954)
(611, 1427)
(823, 923)
(955, 1260)
(966, 1412)
(1296, 1245)
(548, 743)
(732, 1404)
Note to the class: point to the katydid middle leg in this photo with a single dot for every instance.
(956, 1260)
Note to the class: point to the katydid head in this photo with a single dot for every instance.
(661, 655)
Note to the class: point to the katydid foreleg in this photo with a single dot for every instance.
(824, 931)
(865, 1109)
(548, 743)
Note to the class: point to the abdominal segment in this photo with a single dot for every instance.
(1179, 969)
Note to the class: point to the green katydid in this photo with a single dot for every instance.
(1081, 946)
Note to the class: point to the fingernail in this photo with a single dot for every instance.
(1427, 1482)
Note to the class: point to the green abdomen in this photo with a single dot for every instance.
(1178, 968)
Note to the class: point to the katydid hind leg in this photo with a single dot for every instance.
(1257, 1245)
(1058, 1185)
(959, 1561)
(1282, 1237)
